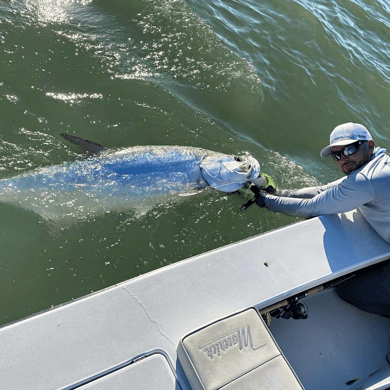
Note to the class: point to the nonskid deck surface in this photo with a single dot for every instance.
(337, 344)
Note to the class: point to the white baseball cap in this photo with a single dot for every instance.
(346, 134)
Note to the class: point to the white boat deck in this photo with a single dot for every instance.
(339, 343)
(68, 346)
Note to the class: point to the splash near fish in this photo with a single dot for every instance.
(132, 178)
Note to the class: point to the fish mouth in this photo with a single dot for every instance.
(247, 167)
(252, 167)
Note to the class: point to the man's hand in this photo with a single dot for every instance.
(265, 183)
(260, 200)
(270, 189)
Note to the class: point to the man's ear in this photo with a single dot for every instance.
(371, 145)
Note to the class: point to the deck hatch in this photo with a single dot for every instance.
(150, 371)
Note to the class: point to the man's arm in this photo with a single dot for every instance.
(337, 197)
(308, 192)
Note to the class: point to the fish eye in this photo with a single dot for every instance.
(238, 159)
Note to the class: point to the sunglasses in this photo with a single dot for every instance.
(347, 150)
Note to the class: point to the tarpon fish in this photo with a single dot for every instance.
(140, 176)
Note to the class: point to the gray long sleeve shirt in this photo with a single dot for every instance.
(367, 188)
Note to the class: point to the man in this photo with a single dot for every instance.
(366, 187)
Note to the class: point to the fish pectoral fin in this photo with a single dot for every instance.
(191, 192)
(86, 146)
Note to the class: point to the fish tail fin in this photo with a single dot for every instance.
(89, 147)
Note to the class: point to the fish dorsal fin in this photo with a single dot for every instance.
(88, 147)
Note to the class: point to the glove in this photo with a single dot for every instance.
(271, 187)
(270, 190)
(264, 182)
(260, 201)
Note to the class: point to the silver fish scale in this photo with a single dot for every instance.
(111, 182)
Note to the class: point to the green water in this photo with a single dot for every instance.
(270, 78)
